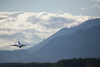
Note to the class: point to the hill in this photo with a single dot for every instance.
(82, 43)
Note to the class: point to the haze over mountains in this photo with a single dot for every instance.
(79, 41)
(12, 56)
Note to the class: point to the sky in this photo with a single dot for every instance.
(31, 21)
(77, 7)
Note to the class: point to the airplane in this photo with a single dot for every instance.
(19, 45)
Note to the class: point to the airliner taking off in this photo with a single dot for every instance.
(19, 45)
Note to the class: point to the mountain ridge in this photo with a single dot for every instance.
(79, 44)
(66, 31)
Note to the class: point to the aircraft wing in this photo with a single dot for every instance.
(24, 45)
(14, 45)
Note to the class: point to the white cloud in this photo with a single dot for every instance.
(60, 11)
(82, 8)
(34, 27)
(99, 7)
(96, 5)
(95, 0)
(28, 36)
(6, 44)
(7, 32)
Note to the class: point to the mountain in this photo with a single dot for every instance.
(12, 56)
(82, 43)
(66, 31)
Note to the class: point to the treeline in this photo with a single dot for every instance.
(87, 62)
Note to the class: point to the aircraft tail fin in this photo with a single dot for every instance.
(19, 43)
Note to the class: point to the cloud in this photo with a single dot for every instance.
(39, 21)
(60, 11)
(34, 27)
(82, 8)
(99, 7)
(95, 0)
(5, 44)
(7, 32)
(95, 5)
